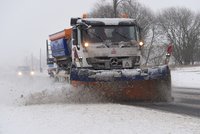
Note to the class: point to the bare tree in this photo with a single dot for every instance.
(158, 54)
(143, 15)
(116, 4)
(182, 27)
(102, 9)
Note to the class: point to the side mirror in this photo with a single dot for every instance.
(75, 37)
(73, 21)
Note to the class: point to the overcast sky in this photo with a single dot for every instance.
(156, 5)
(26, 24)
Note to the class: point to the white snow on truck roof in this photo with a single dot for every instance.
(110, 21)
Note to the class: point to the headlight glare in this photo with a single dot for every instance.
(19, 73)
(141, 43)
(86, 44)
(32, 73)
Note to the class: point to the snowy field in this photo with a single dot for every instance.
(186, 77)
(39, 106)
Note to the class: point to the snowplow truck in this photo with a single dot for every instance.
(104, 55)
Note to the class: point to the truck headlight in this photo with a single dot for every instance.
(86, 44)
(141, 43)
(20, 73)
(32, 72)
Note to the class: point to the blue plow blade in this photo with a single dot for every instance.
(152, 84)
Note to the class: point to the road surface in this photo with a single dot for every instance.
(48, 111)
(186, 102)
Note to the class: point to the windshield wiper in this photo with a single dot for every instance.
(125, 37)
(96, 35)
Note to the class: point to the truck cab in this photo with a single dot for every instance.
(106, 43)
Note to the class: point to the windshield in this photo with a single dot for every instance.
(97, 34)
(23, 68)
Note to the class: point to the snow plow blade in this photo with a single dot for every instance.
(152, 84)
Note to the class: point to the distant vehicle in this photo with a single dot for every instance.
(25, 71)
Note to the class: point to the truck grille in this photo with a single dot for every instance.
(112, 62)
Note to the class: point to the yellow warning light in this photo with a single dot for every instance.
(124, 15)
(85, 15)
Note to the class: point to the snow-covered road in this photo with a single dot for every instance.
(61, 115)
(93, 118)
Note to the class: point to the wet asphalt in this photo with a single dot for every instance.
(186, 101)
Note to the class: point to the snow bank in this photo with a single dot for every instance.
(93, 119)
(188, 77)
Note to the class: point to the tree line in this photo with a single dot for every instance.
(177, 25)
